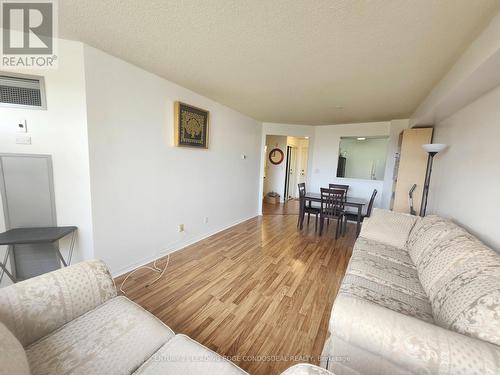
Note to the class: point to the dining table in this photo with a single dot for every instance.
(355, 202)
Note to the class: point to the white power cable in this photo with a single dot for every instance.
(155, 268)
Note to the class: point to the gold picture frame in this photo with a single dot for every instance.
(191, 126)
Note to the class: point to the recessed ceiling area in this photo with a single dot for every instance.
(301, 62)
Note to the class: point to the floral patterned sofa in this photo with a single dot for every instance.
(71, 321)
(420, 296)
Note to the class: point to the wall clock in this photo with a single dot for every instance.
(276, 156)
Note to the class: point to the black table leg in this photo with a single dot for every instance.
(302, 209)
(3, 266)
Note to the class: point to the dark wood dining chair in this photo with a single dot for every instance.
(306, 209)
(332, 207)
(353, 216)
(339, 186)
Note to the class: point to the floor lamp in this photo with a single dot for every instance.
(432, 149)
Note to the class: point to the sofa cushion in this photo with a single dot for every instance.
(384, 275)
(115, 338)
(388, 227)
(426, 233)
(380, 250)
(437, 260)
(13, 359)
(462, 277)
(182, 355)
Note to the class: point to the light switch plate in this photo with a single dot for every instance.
(22, 126)
(23, 140)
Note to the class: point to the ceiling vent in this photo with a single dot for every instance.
(22, 91)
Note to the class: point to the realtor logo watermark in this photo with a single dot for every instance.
(29, 31)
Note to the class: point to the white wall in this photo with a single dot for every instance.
(466, 177)
(143, 186)
(464, 108)
(275, 174)
(326, 153)
(60, 131)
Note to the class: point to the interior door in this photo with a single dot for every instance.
(302, 165)
(291, 178)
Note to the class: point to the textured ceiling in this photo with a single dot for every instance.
(293, 61)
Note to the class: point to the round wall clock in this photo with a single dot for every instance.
(276, 156)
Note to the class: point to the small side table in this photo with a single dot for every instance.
(39, 235)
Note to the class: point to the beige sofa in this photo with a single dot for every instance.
(71, 321)
(420, 296)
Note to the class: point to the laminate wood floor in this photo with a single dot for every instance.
(260, 292)
(290, 207)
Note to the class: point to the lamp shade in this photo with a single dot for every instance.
(434, 148)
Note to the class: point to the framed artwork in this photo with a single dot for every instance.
(190, 126)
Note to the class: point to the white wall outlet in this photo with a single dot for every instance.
(23, 140)
(243, 156)
(180, 228)
(22, 126)
(206, 220)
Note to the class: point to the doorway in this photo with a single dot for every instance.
(297, 158)
(285, 166)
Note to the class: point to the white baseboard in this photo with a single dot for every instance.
(172, 248)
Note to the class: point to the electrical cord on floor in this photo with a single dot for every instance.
(155, 268)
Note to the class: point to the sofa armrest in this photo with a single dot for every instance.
(409, 343)
(33, 308)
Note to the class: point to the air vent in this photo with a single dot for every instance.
(22, 91)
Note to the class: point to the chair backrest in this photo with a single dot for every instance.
(332, 201)
(302, 190)
(370, 204)
(339, 186)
